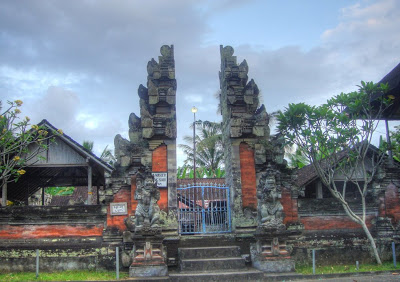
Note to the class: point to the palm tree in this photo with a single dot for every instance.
(106, 155)
(88, 146)
(209, 149)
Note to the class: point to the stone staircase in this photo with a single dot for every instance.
(222, 263)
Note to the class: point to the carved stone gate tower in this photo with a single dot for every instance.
(142, 188)
(245, 134)
(255, 168)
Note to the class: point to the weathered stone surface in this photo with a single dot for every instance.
(279, 265)
(147, 194)
(148, 271)
(135, 165)
(246, 123)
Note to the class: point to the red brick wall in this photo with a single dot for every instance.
(331, 222)
(163, 202)
(133, 189)
(160, 164)
(123, 195)
(248, 176)
(160, 161)
(289, 206)
(49, 231)
(392, 203)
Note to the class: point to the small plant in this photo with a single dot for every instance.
(69, 275)
(345, 268)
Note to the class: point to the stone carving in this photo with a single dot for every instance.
(157, 101)
(122, 151)
(239, 98)
(147, 211)
(270, 208)
(135, 132)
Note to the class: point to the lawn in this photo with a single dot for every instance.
(345, 268)
(86, 275)
(81, 275)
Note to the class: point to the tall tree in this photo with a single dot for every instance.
(344, 125)
(297, 159)
(88, 145)
(106, 154)
(209, 150)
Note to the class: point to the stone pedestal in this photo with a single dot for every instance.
(148, 257)
(148, 271)
(270, 253)
(275, 265)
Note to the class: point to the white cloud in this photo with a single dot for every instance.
(79, 66)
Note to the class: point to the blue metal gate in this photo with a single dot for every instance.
(204, 209)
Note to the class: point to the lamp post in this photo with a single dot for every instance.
(194, 111)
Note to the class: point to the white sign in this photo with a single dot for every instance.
(161, 178)
(118, 208)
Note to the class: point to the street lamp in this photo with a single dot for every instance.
(194, 111)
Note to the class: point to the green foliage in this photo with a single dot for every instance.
(88, 145)
(69, 275)
(201, 172)
(395, 140)
(340, 124)
(344, 268)
(16, 138)
(209, 149)
(297, 159)
(336, 138)
(60, 191)
(106, 155)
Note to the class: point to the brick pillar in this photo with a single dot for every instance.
(248, 176)
(160, 164)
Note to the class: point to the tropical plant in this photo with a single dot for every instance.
(88, 146)
(201, 172)
(395, 142)
(297, 159)
(209, 149)
(106, 155)
(60, 191)
(336, 138)
(17, 142)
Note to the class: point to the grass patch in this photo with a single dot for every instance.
(68, 275)
(346, 268)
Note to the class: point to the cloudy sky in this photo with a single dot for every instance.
(79, 63)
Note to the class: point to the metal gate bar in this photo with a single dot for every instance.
(204, 208)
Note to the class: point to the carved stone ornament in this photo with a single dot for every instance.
(147, 211)
(270, 208)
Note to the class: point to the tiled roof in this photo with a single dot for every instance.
(307, 173)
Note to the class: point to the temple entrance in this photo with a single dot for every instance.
(204, 209)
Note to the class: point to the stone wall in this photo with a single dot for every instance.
(68, 237)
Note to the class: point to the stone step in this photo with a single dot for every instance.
(231, 275)
(145, 279)
(209, 252)
(211, 264)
